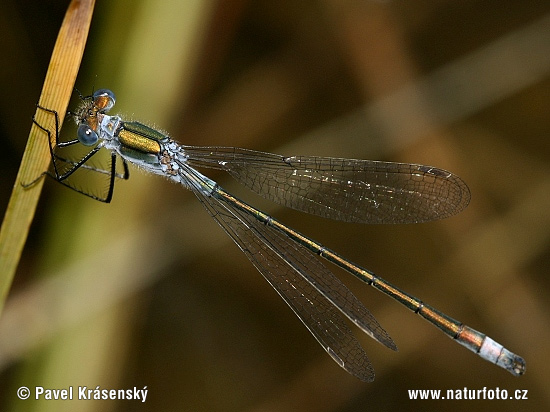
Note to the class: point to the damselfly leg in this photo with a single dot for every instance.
(84, 169)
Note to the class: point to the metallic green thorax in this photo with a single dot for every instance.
(137, 136)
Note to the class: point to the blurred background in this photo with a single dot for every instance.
(149, 291)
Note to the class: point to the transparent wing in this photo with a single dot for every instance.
(360, 191)
(305, 284)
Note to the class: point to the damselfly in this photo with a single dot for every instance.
(360, 191)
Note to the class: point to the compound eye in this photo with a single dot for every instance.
(104, 99)
(86, 135)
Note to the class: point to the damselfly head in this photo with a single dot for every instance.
(103, 100)
(86, 116)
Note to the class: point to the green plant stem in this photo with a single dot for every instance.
(56, 93)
